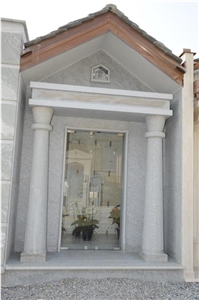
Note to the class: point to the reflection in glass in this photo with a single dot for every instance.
(92, 191)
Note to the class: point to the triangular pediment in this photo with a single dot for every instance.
(80, 73)
(107, 30)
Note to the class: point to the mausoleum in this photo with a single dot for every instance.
(100, 147)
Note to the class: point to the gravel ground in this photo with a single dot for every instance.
(101, 289)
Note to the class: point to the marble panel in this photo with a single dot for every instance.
(9, 84)
(13, 278)
(173, 181)
(15, 181)
(136, 170)
(8, 112)
(6, 160)
(25, 169)
(18, 143)
(11, 48)
(12, 220)
(5, 199)
(3, 242)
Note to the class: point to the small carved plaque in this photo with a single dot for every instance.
(100, 74)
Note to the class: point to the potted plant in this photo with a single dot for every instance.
(115, 215)
(85, 223)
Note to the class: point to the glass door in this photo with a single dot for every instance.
(92, 191)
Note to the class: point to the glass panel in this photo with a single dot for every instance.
(92, 191)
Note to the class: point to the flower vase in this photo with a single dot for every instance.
(87, 234)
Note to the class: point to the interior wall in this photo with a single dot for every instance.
(173, 180)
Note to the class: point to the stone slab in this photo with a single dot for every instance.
(14, 278)
(8, 112)
(9, 83)
(11, 48)
(154, 257)
(26, 257)
(5, 198)
(89, 265)
(3, 241)
(6, 160)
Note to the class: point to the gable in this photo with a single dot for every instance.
(79, 73)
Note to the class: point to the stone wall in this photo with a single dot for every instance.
(79, 74)
(173, 180)
(196, 180)
(12, 110)
(135, 182)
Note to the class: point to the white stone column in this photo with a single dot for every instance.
(152, 239)
(36, 223)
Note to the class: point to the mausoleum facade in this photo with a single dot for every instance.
(100, 154)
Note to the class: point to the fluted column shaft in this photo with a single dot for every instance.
(36, 223)
(152, 239)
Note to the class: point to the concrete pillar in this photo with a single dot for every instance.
(36, 223)
(188, 166)
(152, 239)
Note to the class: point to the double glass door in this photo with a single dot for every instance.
(92, 191)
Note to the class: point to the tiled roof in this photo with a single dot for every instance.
(107, 8)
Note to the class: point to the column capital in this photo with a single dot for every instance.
(42, 114)
(155, 123)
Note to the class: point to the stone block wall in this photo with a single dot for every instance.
(173, 180)
(14, 34)
(135, 182)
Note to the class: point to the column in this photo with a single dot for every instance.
(152, 239)
(36, 223)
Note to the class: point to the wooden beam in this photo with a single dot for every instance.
(64, 41)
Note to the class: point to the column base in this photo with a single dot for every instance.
(161, 257)
(30, 257)
(189, 276)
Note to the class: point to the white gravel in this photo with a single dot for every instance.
(101, 289)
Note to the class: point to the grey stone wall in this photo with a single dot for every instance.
(173, 180)
(80, 74)
(12, 105)
(135, 183)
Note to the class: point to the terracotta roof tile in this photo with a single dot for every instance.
(107, 8)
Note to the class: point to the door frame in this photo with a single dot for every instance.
(124, 180)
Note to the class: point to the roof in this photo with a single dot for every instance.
(101, 31)
(196, 64)
(112, 8)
